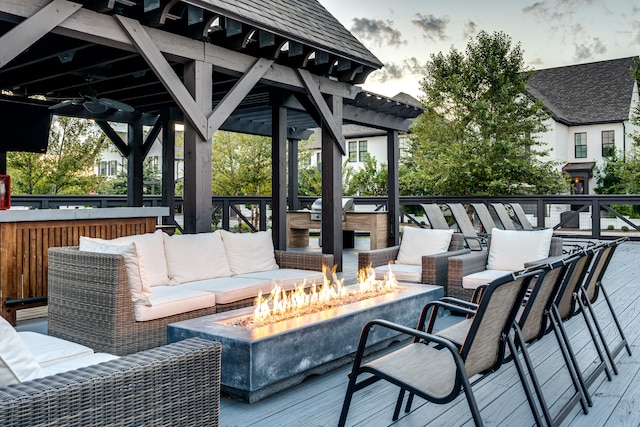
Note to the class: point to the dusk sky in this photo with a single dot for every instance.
(404, 33)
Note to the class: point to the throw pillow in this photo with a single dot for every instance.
(249, 252)
(151, 257)
(509, 250)
(17, 363)
(192, 257)
(139, 293)
(419, 242)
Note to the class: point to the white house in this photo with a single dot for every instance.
(590, 106)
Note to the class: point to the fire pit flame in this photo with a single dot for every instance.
(281, 305)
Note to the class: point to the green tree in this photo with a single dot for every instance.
(479, 132)
(66, 167)
(150, 173)
(370, 180)
(241, 164)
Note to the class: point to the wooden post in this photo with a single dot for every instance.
(393, 203)
(197, 152)
(293, 198)
(278, 171)
(332, 240)
(135, 164)
(168, 162)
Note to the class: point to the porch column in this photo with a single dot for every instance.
(168, 162)
(135, 164)
(293, 198)
(197, 152)
(278, 171)
(393, 203)
(332, 241)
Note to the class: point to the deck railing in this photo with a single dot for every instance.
(590, 216)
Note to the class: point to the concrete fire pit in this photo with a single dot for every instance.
(260, 362)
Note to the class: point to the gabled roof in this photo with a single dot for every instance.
(598, 92)
(305, 21)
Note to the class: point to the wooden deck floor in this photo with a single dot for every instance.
(318, 400)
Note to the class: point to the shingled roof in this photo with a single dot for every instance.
(305, 21)
(598, 92)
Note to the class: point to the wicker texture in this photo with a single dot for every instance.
(476, 261)
(90, 302)
(173, 385)
(434, 267)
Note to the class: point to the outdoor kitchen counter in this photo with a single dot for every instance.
(27, 235)
(299, 223)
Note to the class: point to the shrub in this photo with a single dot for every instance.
(610, 227)
(624, 228)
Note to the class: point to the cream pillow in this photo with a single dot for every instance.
(509, 250)
(249, 252)
(418, 242)
(139, 294)
(192, 257)
(17, 363)
(153, 265)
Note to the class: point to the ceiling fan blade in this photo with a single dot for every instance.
(112, 103)
(95, 107)
(63, 104)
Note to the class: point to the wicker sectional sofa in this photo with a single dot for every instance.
(90, 299)
(172, 385)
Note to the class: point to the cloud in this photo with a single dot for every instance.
(433, 28)
(538, 8)
(470, 29)
(378, 31)
(586, 51)
(396, 71)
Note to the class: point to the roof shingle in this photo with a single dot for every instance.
(596, 92)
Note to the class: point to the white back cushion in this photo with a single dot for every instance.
(249, 252)
(509, 250)
(418, 242)
(17, 363)
(139, 292)
(151, 257)
(193, 257)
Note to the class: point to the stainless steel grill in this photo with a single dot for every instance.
(316, 208)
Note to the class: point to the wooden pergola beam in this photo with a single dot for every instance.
(17, 40)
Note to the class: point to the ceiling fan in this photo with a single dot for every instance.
(94, 105)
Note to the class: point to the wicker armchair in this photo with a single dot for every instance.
(474, 262)
(434, 267)
(177, 384)
(90, 301)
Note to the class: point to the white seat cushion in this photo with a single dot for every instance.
(419, 242)
(287, 278)
(231, 289)
(193, 257)
(171, 300)
(249, 252)
(472, 281)
(402, 272)
(510, 250)
(76, 363)
(51, 350)
(17, 363)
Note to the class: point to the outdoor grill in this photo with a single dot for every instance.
(316, 208)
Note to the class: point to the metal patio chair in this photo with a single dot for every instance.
(475, 242)
(433, 367)
(487, 221)
(435, 216)
(588, 293)
(503, 216)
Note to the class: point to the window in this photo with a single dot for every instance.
(362, 150)
(580, 139)
(353, 151)
(109, 168)
(608, 146)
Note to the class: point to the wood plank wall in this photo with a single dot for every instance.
(24, 245)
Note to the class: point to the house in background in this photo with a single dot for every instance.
(590, 106)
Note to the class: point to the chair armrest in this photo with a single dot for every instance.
(463, 265)
(377, 257)
(435, 267)
(176, 384)
(303, 261)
